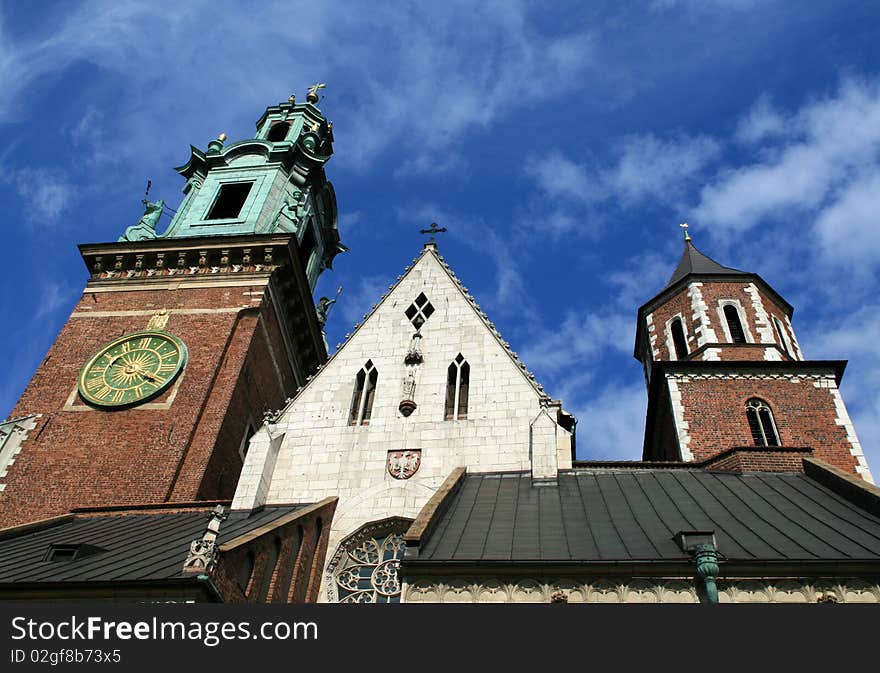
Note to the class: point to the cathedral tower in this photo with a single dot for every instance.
(182, 340)
(726, 377)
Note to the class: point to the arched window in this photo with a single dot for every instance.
(364, 567)
(761, 423)
(783, 338)
(278, 132)
(734, 325)
(457, 384)
(364, 391)
(307, 246)
(678, 339)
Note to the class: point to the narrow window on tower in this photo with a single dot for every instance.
(679, 342)
(783, 338)
(307, 246)
(761, 423)
(457, 388)
(278, 132)
(230, 200)
(734, 325)
(364, 392)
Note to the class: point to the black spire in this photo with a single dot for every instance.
(694, 261)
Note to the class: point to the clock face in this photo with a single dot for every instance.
(132, 369)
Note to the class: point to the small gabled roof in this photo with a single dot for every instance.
(694, 261)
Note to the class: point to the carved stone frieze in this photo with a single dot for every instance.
(638, 590)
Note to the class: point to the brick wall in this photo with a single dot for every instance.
(750, 297)
(294, 575)
(182, 445)
(805, 415)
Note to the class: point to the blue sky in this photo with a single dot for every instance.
(561, 144)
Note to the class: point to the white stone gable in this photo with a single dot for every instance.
(323, 454)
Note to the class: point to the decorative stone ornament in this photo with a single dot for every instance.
(404, 464)
(132, 369)
(203, 552)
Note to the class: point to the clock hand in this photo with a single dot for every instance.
(150, 376)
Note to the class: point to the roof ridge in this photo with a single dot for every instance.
(272, 416)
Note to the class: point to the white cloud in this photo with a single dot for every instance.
(763, 121)
(611, 425)
(47, 194)
(651, 168)
(559, 176)
(356, 301)
(53, 296)
(644, 168)
(849, 228)
(578, 339)
(456, 66)
(831, 142)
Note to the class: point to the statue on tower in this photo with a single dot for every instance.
(145, 229)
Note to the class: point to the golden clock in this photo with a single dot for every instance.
(132, 369)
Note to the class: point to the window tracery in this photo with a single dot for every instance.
(364, 568)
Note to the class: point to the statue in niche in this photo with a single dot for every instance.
(146, 228)
(294, 208)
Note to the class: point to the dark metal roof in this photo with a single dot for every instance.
(632, 515)
(694, 261)
(137, 547)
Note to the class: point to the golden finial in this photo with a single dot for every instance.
(292, 98)
(312, 95)
(685, 225)
(222, 137)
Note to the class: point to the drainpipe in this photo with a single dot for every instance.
(706, 558)
(701, 547)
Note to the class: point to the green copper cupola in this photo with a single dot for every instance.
(271, 183)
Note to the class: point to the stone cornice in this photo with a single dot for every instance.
(187, 257)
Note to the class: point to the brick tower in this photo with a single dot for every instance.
(727, 381)
(183, 340)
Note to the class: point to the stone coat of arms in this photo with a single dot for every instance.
(404, 464)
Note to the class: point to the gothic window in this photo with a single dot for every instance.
(419, 311)
(457, 384)
(761, 423)
(230, 200)
(678, 339)
(783, 338)
(307, 246)
(734, 325)
(364, 391)
(278, 132)
(365, 566)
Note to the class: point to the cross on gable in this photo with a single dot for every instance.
(433, 231)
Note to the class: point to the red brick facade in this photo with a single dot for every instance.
(285, 563)
(680, 304)
(697, 409)
(185, 444)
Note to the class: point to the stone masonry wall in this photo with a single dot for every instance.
(323, 455)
